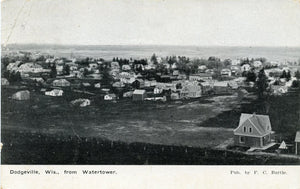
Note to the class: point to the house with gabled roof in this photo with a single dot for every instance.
(139, 95)
(253, 131)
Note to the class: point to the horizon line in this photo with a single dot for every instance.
(246, 46)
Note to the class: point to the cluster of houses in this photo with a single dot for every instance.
(143, 80)
(155, 81)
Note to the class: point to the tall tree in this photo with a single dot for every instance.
(250, 76)
(53, 72)
(288, 75)
(283, 75)
(66, 70)
(261, 83)
(297, 74)
(154, 59)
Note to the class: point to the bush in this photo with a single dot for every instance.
(296, 84)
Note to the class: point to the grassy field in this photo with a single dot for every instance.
(41, 148)
(201, 123)
(168, 123)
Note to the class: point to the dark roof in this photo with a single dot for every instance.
(202, 75)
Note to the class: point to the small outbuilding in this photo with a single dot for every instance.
(138, 95)
(81, 102)
(226, 72)
(54, 92)
(282, 146)
(110, 97)
(97, 85)
(21, 95)
(4, 82)
(127, 94)
(61, 83)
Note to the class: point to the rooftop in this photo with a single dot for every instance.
(137, 91)
(260, 122)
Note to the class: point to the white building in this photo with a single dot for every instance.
(245, 67)
(55, 92)
(110, 97)
(257, 64)
(226, 72)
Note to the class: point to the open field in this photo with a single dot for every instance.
(204, 123)
(152, 122)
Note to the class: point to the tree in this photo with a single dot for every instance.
(297, 74)
(227, 62)
(178, 86)
(66, 70)
(250, 76)
(154, 59)
(261, 83)
(283, 75)
(14, 77)
(288, 75)
(85, 72)
(296, 84)
(53, 72)
(106, 77)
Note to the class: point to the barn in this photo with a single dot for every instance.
(139, 95)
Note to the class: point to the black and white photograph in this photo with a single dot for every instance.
(150, 82)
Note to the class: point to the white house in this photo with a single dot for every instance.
(174, 66)
(191, 90)
(59, 69)
(257, 64)
(201, 76)
(226, 72)
(4, 81)
(253, 131)
(150, 67)
(61, 83)
(118, 84)
(127, 94)
(55, 92)
(115, 65)
(234, 70)
(12, 67)
(235, 62)
(245, 67)
(157, 90)
(30, 68)
(97, 85)
(126, 67)
(81, 102)
(110, 97)
(279, 90)
(93, 66)
(202, 68)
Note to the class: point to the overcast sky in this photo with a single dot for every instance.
(159, 22)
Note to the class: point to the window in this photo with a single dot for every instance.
(242, 139)
(244, 129)
(250, 130)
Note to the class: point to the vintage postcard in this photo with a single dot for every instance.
(150, 93)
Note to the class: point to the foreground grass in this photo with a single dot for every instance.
(37, 148)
